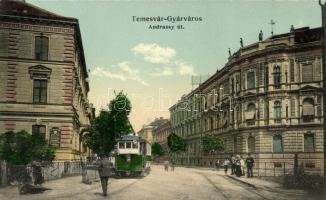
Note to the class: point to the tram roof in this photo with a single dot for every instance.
(129, 138)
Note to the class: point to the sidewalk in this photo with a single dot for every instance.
(63, 188)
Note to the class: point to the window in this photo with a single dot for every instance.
(293, 106)
(292, 70)
(277, 111)
(309, 142)
(39, 129)
(237, 83)
(238, 116)
(308, 110)
(277, 144)
(277, 77)
(307, 73)
(232, 86)
(250, 80)
(121, 145)
(251, 144)
(41, 47)
(128, 145)
(39, 91)
(251, 112)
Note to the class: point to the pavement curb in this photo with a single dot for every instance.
(241, 181)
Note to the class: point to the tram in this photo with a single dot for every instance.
(133, 156)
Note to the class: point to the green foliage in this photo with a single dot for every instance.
(109, 126)
(176, 143)
(22, 148)
(135, 164)
(157, 149)
(211, 144)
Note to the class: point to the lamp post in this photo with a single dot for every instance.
(323, 13)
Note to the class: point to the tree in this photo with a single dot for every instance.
(157, 149)
(109, 126)
(22, 148)
(176, 144)
(211, 144)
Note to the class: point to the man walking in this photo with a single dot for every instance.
(233, 164)
(104, 172)
(226, 165)
(250, 164)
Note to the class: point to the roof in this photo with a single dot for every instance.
(21, 8)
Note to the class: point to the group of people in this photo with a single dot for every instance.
(238, 165)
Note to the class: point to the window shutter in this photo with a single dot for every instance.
(38, 47)
(45, 48)
(307, 73)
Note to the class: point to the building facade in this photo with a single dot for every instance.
(146, 133)
(43, 77)
(147, 130)
(266, 100)
(160, 135)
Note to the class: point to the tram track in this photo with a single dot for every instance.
(226, 195)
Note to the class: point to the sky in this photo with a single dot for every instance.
(154, 66)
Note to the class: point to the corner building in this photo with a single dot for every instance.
(266, 100)
(43, 77)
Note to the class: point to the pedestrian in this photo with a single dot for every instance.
(238, 171)
(226, 165)
(233, 164)
(250, 164)
(166, 165)
(38, 178)
(242, 162)
(217, 165)
(104, 172)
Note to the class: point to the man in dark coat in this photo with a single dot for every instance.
(250, 164)
(104, 172)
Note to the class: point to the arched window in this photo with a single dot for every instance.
(277, 144)
(277, 77)
(251, 112)
(277, 111)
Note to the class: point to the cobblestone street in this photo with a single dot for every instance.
(183, 183)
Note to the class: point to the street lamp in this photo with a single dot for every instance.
(323, 13)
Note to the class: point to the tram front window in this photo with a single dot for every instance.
(135, 145)
(121, 145)
(128, 145)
